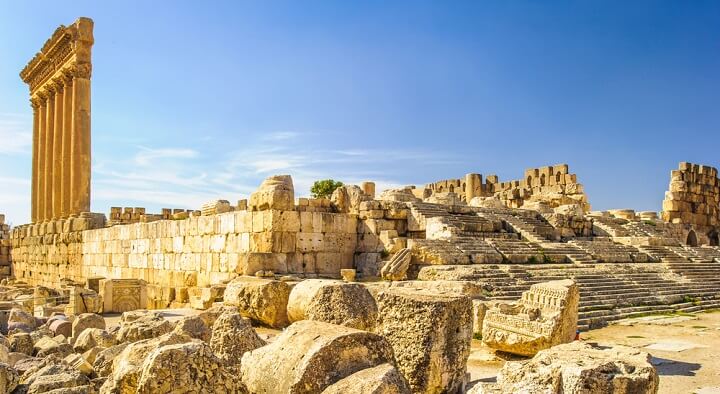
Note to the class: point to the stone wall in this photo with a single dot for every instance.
(197, 251)
(553, 185)
(693, 199)
(5, 247)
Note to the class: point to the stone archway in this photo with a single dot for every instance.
(714, 237)
(691, 239)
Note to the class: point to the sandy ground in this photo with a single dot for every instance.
(685, 350)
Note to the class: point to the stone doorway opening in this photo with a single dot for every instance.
(714, 237)
(692, 239)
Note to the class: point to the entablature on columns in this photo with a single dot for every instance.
(64, 56)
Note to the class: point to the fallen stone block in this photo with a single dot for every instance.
(233, 336)
(545, 316)
(138, 325)
(86, 320)
(430, 334)
(329, 301)
(261, 300)
(309, 356)
(578, 368)
(189, 367)
(383, 379)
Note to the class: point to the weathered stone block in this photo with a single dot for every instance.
(430, 334)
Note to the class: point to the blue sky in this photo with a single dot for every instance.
(194, 100)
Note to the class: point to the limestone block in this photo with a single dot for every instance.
(313, 356)
(187, 366)
(578, 368)
(430, 334)
(194, 327)
(215, 207)
(261, 300)
(275, 192)
(348, 274)
(93, 337)
(383, 379)
(347, 198)
(545, 316)
(396, 268)
(252, 263)
(9, 379)
(127, 364)
(138, 325)
(232, 336)
(346, 304)
(86, 320)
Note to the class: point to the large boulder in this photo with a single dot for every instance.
(232, 336)
(262, 300)
(430, 334)
(138, 325)
(383, 379)
(578, 368)
(84, 321)
(127, 365)
(545, 316)
(20, 318)
(91, 337)
(194, 327)
(275, 192)
(22, 343)
(309, 356)
(9, 379)
(50, 374)
(187, 367)
(347, 198)
(103, 363)
(330, 301)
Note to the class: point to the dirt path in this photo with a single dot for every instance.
(685, 350)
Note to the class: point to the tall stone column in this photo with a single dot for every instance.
(66, 145)
(42, 129)
(35, 157)
(80, 150)
(472, 182)
(49, 134)
(57, 152)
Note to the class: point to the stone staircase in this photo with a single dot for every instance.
(608, 292)
(606, 251)
(530, 227)
(610, 226)
(573, 253)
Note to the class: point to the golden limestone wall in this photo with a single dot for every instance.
(553, 185)
(693, 199)
(5, 247)
(197, 251)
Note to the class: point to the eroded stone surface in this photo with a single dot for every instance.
(346, 304)
(309, 356)
(577, 368)
(232, 336)
(259, 299)
(430, 334)
(545, 316)
(383, 379)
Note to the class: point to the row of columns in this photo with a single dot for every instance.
(61, 148)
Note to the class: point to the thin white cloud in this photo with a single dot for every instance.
(147, 156)
(281, 135)
(15, 133)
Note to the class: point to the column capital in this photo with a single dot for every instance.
(81, 70)
(58, 83)
(50, 88)
(36, 102)
(43, 95)
(67, 77)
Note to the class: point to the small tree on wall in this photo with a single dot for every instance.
(324, 188)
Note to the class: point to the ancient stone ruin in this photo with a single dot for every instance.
(365, 292)
(545, 316)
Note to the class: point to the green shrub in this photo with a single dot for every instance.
(324, 188)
